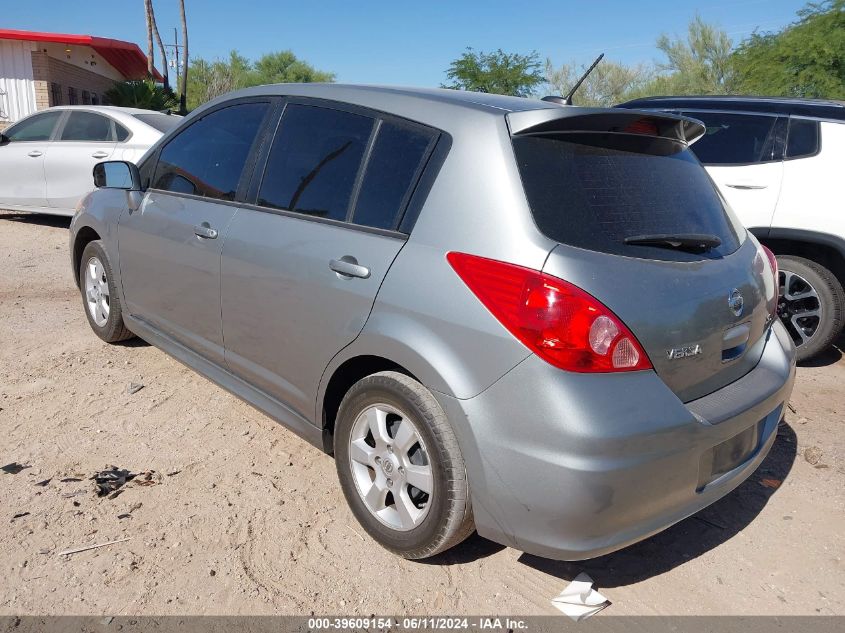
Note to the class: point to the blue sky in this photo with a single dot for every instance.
(406, 43)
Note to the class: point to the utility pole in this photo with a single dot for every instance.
(175, 47)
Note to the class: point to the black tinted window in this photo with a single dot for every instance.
(36, 128)
(121, 132)
(590, 195)
(314, 161)
(735, 138)
(86, 126)
(803, 138)
(392, 169)
(207, 158)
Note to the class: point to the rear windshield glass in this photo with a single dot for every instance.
(593, 194)
(161, 122)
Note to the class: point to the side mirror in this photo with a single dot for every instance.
(4, 139)
(117, 174)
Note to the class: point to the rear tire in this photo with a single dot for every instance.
(809, 288)
(99, 294)
(412, 437)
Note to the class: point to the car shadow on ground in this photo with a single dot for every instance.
(830, 356)
(135, 341)
(41, 219)
(690, 538)
(675, 546)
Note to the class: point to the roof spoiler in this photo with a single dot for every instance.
(671, 127)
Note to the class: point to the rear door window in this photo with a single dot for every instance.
(36, 128)
(207, 158)
(315, 160)
(86, 126)
(735, 139)
(397, 158)
(803, 139)
(585, 190)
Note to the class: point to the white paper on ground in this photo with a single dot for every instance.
(579, 600)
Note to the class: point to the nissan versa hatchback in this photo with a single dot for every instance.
(535, 321)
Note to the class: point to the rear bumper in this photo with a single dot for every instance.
(573, 466)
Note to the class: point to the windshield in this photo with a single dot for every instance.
(595, 190)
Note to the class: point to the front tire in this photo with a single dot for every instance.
(811, 305)
(99, 294)
(400, 466)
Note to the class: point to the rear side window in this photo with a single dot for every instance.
(208, 157)
(315, 160)
(803, 139)
(121, 132)
(86, 126)
(397, 157)
(586, 192)
(36, 128)
(735, 139)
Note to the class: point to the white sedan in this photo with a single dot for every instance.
(46, 159)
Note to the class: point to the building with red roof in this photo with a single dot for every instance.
(39, 70)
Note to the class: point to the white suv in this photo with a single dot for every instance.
(779, 163)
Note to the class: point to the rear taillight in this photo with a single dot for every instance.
(773, 265)
(775, 277)
(773, 262)
(561, 323)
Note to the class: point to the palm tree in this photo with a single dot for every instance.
(148, 9)
(157, 35)
(184, 78)
(140, 94)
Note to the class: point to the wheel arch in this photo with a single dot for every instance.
(342, 377)
(823, 248)
(83, 236)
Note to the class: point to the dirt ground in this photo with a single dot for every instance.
(245, 518)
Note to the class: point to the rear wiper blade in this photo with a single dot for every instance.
(680, 241)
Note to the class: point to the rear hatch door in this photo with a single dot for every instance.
(643, 229)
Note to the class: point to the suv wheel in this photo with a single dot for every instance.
(811, 304)
(400, 466)
(99, 294)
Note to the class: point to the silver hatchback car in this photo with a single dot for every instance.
(537, 321)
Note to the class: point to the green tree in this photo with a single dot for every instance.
(608, 84)
(212, 79)
(144, 94)
(806, 59)
(497, 72)
(700, 64)
(285, 67)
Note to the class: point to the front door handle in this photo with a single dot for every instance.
(348, 267)
(205, 231)
(100, 155)
(742, 185)
(34, 153)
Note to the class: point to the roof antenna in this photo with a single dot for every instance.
(567, 100)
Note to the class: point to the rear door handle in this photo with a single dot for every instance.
(34, 153)
(741, 185)
(205, 231)
(348, 267)
(100, 155)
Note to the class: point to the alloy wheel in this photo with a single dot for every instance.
(97, 291)
(391, 467)
(799, 307)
